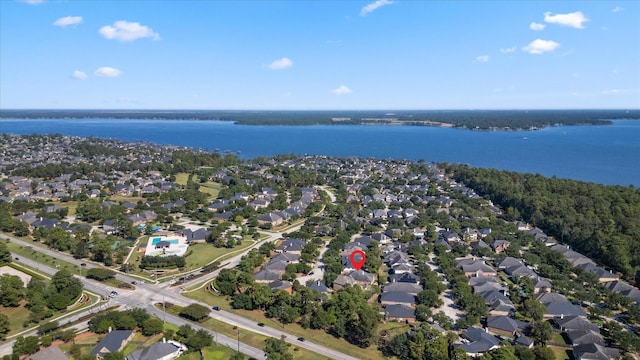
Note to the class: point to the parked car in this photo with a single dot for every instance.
(261, 324)
(300, 339)
(216, 308)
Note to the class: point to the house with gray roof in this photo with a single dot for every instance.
(266, 276)
(571, 323)
(577, 337)
(393, 298)
(165, 350)
(594, 352)
(504, 325)
(562, 309)
(404, 287)
(115, 341)
(291, 246)
(400, 312)
(49, 353)
(477, 342)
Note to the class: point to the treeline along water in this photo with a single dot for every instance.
(607, 154)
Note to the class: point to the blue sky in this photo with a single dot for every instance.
(319, 54)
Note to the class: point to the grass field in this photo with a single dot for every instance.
(17, 316)
(211, 188)
(319, 337)
(42, 258)
(182, 178)
(202, 254)
(213, 352)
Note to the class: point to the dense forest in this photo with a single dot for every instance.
(602, 222)
(470, 119)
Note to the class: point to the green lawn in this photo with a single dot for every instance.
(319, 337)
(213, 352)
(211, 188)
(203, 254)
(561, 353)
(182, 178)
(47, 260)
(17, 316)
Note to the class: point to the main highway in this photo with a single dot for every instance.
(145, 295)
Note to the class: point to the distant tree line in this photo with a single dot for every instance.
(600, 221)
(478, 119)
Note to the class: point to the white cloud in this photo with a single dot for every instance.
(536, 26)
(341, 90)
(80, 75)
(68, 20)
(127, 31)
(539, 46)
(617, 9)
(107, 71)
(373, 6)
(574, 19)
(280, 64)
(32, 2)
(482, 58)
(509, 50)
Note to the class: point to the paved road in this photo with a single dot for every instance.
(145, 295)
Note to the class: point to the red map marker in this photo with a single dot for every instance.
(358, 259)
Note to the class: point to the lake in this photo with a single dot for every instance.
(603, 154)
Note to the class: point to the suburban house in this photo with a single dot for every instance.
(477, 342)
(115, 340)
(399, 312)
(50, 353)
(165, 350)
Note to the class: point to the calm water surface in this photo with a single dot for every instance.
(603, 154)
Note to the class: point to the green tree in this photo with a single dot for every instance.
(5, 254)
(4, 325)
(152, 326)
(541, 331)
(534, 309)
(277, 349)
(195, 312)
(11, 290)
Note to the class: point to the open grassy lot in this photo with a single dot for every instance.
(213, 352)
(319, 337)
(133, 199)
(211, 188)
(202, 254)
(17, 316)
(182, 178)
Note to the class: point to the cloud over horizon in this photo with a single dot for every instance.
(80, 75)
(107, 71)
(280, 64)
(341, 90)
(32, 2)
(374, 6)
(482, 58)
(574, 19)
(68, 20)
(539, 46)
(127, 31)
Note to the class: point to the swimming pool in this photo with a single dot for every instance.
(155, 241)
